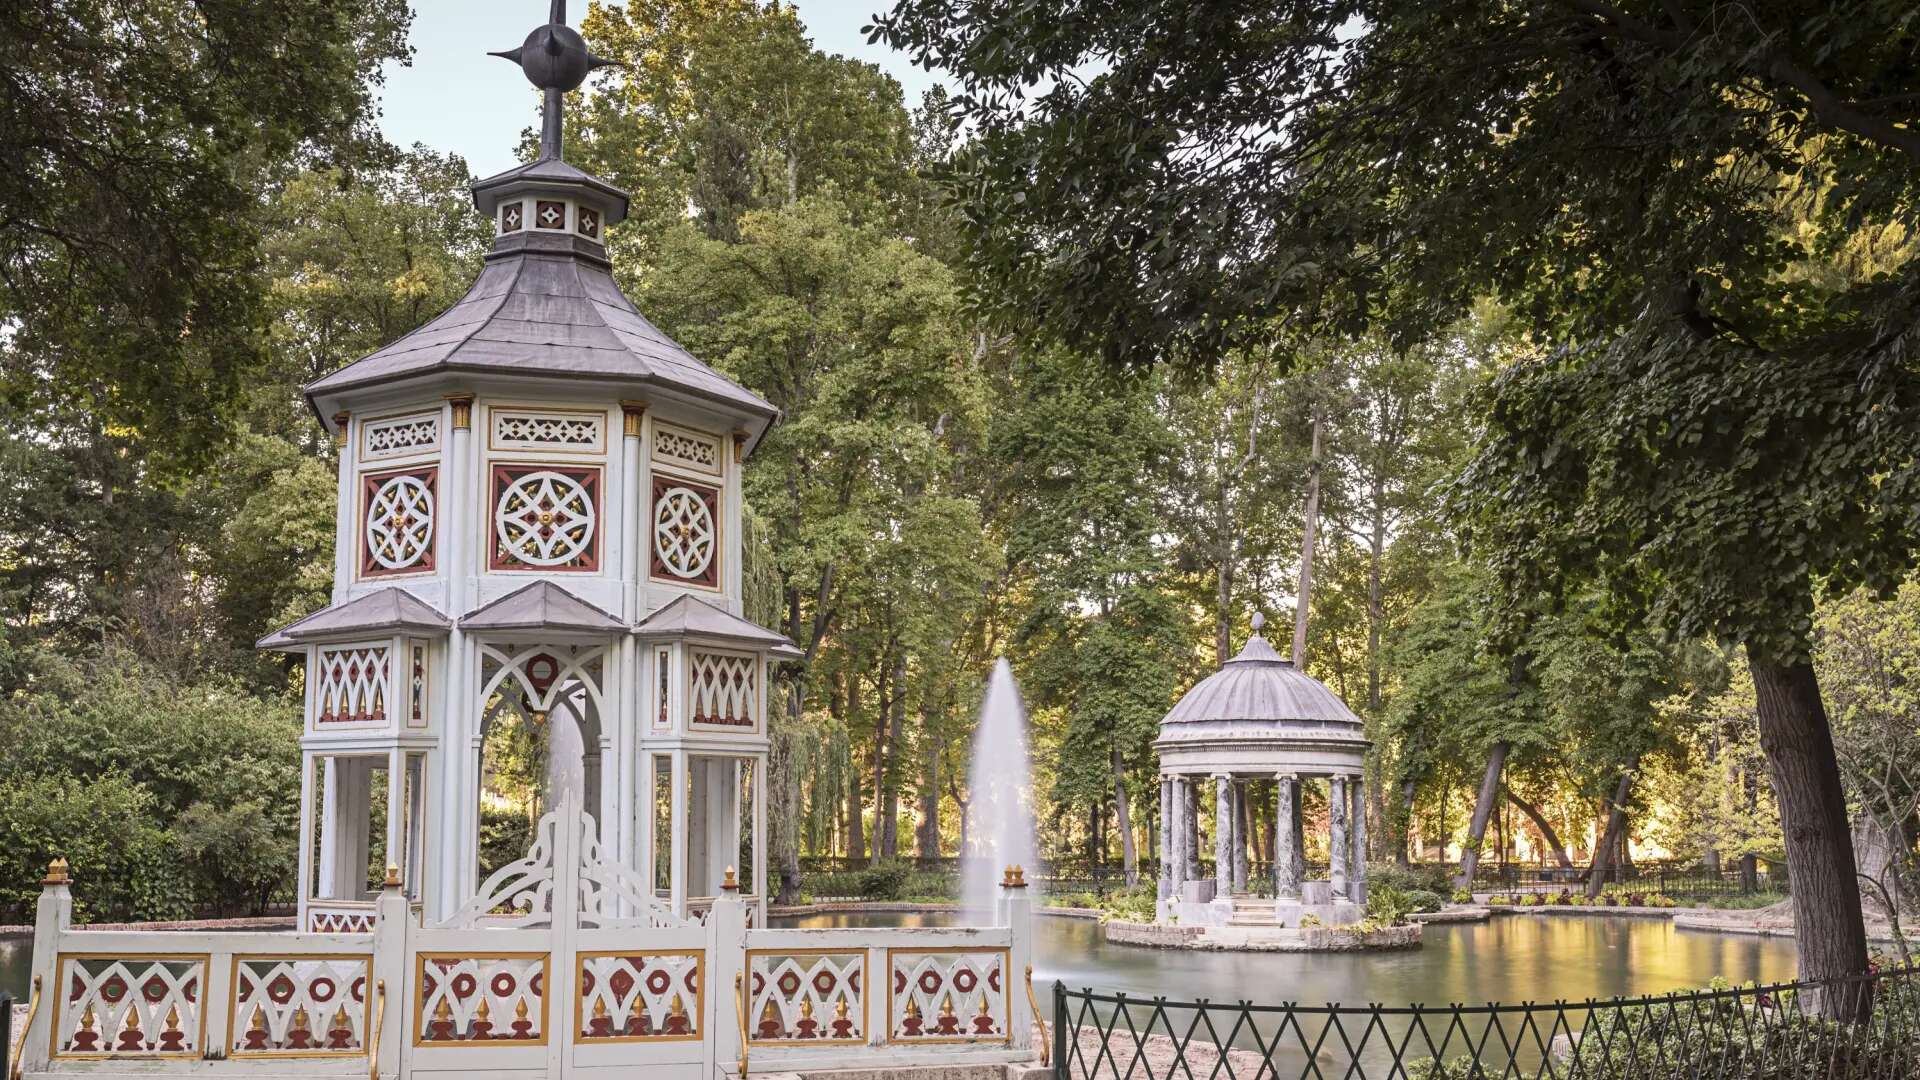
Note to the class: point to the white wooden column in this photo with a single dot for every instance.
(346, 529)
(329, 829)
(453, 817)
(396, 855)
(305, 891)
(677, 862)
(1337, 845)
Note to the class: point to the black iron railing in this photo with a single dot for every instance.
(1862, 1028)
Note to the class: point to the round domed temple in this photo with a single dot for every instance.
(1260, 718)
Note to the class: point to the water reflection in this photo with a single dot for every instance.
(1513, 958)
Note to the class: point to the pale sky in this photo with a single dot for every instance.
(456, 98)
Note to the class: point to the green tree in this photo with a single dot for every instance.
(135, 141)
(1723, 429)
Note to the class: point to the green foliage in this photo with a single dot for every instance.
(1433, 877)
(137, 141)
(166, 796)
(1388, 906)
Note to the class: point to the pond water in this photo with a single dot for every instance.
(1512, 958)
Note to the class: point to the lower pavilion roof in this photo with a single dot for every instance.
(382, 611)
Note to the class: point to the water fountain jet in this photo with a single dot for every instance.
(1000, 824)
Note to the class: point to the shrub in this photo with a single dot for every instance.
(1433, 877)
(1310, 922)
(1389, 906)
(883, 880)
(1463, 896)
(1500, 900)
(1423, 902)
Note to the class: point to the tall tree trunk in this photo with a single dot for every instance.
(1829, 933)
(1547, 835)
(1609, 844)
(890, 822)
(856, 817)
(1123, 819)
(879, 765)
(930, 800)
(1403, 839)
(1376, 603)
(1223, 532)
(1482, 811)
(1305, 597)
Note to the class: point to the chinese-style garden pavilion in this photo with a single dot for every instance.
(539, 548)
(1260, 718)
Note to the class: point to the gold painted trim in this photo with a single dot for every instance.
(580, 1000)
(740, 1012)
(33, 1010)
(379, 1032)
(419, 1002)
(341, 424)
(1006, 996)
(632, 413)
(462, 409)
(205, 960)
(1046, 1044)
(233, 1048)
(866, 987)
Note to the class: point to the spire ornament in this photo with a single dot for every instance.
(554, 58)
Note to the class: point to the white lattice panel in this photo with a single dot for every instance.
(320, 920)
(947, 995)
(686, 449)
(130, 1005)
(482, 998)
(400, 436)
(300, 1005)
(807, 996)
(639, 996)
(723, 692)
(352, 686)
(528, 430)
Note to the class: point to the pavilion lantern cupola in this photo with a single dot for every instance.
(1260, 724)
(537, 585)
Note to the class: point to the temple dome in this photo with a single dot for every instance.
(1259, 696)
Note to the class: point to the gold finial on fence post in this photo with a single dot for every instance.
(1014, 877)
(58, 873)
(393, 877)
(731, 883)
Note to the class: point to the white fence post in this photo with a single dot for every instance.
(391, 1015)
(52, 918)
(727, 989)
(1016, 913)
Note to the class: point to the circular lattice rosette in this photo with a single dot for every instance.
(683, 532)
(545, 519)
(400, 523)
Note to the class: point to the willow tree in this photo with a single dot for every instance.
(1726, 427)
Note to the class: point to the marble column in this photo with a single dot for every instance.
(1240, 836)
(1286, 839)
(1337, 846)
(1190, 826)
(1222, 835)
(1358, 879)
(1165, 886)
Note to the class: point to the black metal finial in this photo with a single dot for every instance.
(554, 58)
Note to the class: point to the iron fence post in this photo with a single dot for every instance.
(1060, 1071)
